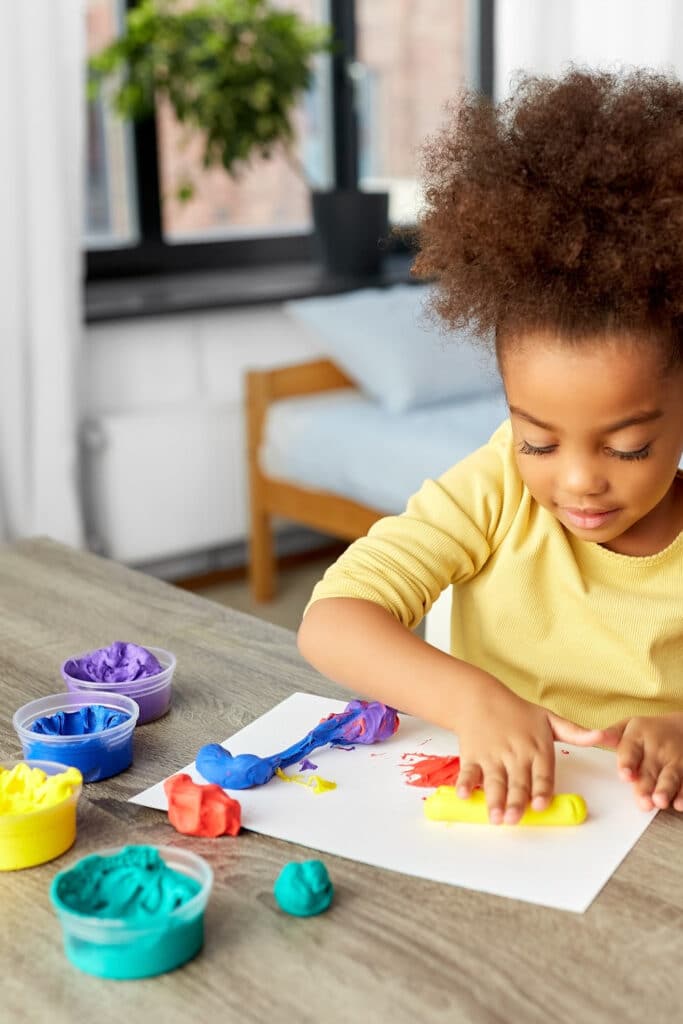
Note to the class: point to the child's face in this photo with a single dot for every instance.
(598, 432)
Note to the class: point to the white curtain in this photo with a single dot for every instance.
(543, 36)
(41, 172)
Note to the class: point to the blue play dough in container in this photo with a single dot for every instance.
(92, 732)
(93, 718)
(133, 912)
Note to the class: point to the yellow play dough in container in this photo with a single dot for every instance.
(37, 812)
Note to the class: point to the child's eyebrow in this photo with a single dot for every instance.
(630, 421)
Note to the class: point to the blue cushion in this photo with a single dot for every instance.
(381, 339)
(345, 443)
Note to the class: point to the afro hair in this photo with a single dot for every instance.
(560, 208)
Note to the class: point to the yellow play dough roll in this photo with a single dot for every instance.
(446, 805)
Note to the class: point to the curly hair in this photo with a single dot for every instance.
(561, 208)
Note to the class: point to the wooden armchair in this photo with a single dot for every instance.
(269, 497)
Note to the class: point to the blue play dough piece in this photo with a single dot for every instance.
(303, 888)
(216, 764)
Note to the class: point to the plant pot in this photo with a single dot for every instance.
(350, 229)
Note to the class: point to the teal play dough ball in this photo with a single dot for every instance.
(303, 888)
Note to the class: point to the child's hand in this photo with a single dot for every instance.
(506, 746)
(650, 755)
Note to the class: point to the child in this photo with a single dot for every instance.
(555, 220)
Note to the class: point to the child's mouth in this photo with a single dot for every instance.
(589, 519)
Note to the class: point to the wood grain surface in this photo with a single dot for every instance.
(391, 949)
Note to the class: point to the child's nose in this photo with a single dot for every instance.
(582, 477)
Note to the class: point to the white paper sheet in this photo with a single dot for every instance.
(374, 817)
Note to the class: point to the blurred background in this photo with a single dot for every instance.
(140, 286)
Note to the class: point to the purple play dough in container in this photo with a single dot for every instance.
(121, 662)
(152, 693)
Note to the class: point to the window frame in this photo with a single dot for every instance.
(153, 255)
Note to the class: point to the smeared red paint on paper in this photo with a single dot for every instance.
(431, 771)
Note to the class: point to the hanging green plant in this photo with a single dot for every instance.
(232, 69)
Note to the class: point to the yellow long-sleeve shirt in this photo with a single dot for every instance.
(593, 635)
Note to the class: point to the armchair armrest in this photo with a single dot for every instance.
(263, 387)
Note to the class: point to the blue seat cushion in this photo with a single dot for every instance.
(347, 444)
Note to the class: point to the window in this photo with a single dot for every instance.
(110, 202)
(362, 122)
(412, 57)
(272, 196)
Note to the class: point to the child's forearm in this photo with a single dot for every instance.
(361, 645)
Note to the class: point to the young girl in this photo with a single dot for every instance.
(556, 220)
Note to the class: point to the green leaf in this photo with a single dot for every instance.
(185, 191)
(232, 69)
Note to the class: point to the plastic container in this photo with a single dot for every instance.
(115, 948)
(97, 755)
(38, 836)
(152, 694)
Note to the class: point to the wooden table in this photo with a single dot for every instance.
(391, 949)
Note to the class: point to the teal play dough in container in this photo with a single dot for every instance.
(133, 912)
(92, 732)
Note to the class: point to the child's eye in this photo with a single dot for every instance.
(532, 449)
(641, 453)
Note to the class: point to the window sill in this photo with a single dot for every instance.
(184, 292)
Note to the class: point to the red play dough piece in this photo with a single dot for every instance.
(198, 810)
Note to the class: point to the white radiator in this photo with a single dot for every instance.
(164, 482)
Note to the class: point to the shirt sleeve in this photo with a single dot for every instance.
(447, 533)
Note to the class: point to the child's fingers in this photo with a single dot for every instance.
(611, 736)
(495, 790)
(678, 800)
(519, 793)
(469, 777)
(667, 786)
(644, 785)
(568, 732)
(629, 757)
(542, 780)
